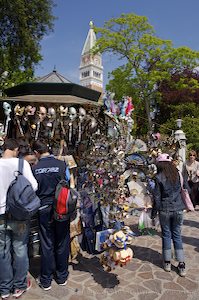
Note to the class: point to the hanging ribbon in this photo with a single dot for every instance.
(6, 125)
(70, 132)
(19, 126)
(37, 130)
(62, 127)
(79, 131)
(53, 130)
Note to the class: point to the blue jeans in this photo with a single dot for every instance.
(171, 223)
(55, 246)
(14, 262)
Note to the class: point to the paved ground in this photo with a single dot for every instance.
(141, 279)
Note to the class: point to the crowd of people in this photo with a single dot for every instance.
(54, 236)
(44, 172)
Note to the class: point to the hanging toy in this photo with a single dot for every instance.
(116, 250)
(129, 106)
(18, 110)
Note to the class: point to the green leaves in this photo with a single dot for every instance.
(147, 60)
(23, 24)
(189, 113)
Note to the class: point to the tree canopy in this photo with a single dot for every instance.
(146, 60)
(23, 24)
(173, 92)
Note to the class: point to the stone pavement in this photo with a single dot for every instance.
(141, 279)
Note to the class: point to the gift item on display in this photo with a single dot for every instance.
(116, 253)
(101, 238)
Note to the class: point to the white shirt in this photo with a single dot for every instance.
(193, 171)
(8, 170)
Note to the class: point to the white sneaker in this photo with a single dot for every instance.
(167, 266)
(18, 292)
(6, 296)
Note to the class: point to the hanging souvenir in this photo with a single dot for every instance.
(40, 131)
(82, 118)
(51, 123)
(18, 110)
(7, 111)
(72, 116)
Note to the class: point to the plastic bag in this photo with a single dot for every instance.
(145, 221)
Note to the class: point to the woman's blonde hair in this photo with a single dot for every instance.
(193, 152)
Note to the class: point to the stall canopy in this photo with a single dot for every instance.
(48, 92)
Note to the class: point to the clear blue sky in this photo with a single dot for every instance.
(176, 20)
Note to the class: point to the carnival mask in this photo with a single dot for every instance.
(51, 113)
(42, 113)
(82, 114)
(30, 110)
(93, 122)
(63, 111)
(7, 108)
(72, 113)
(18, 110)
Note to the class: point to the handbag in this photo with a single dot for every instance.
(185, 196)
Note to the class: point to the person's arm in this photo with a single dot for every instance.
(27, 172)
(184, 172)
(197, 170)
(185, 183)
(67, 174)
(156, 199)
(184, 179)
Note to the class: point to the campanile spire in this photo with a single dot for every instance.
(91, 69)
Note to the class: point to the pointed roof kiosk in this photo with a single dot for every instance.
(52, 88)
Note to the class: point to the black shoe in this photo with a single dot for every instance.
(45, 288)
(181, 269)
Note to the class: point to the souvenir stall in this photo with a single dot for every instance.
(112, 171)
(115, 180)
(112, 183)
(56, 112)
(64, 114)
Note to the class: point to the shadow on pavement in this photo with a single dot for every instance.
(93, 266)
(191, 241)
(191, 223)
(147, 254)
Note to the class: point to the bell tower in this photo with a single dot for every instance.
(91, 69)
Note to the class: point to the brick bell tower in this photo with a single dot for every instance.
(91, 69)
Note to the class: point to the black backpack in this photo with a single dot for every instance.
(65, 201)
(21, 200)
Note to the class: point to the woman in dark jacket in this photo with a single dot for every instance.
(169, 204)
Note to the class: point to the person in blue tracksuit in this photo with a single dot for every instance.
(54, 235)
